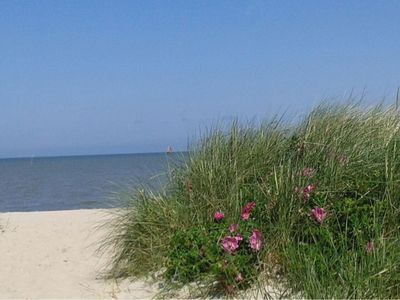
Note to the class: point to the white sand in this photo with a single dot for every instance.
(53, 255)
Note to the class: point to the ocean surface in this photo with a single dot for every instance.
(76, 182)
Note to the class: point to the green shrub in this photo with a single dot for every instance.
(327, 205)
(204, 253)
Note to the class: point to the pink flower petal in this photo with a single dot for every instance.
(230, 244)
(218, 216)
(239, 237)
(319, 214)
(247, 210)
(255, 240)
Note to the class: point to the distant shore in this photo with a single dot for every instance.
(53, 255)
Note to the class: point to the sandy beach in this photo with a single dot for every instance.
(53, 255)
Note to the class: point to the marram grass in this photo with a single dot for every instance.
(341, 161)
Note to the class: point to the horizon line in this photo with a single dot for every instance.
(93, 154)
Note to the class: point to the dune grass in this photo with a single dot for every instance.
(347, 156)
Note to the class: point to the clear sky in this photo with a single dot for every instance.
(85, 77)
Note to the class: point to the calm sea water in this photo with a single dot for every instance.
(58, 183)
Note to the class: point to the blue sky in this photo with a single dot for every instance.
(85, 77)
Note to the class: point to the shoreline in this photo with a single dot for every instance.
(99, 209)
(52, 254)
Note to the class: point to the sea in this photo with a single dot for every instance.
(80, 182)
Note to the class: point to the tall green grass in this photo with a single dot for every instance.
(355, 154)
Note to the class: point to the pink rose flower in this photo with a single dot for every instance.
(230, 244)
(218, 216)
(319, 214)
(233, 227)
(255, 240)
(247, 210)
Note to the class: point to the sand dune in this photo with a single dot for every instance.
(53, 255)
